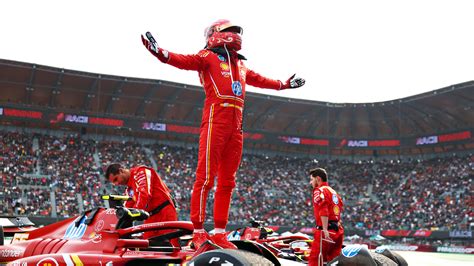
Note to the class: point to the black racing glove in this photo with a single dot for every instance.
(293, 83)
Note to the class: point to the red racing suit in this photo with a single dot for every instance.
(327, 202)
(149, 192)
(220, 142)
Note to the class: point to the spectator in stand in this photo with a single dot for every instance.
(329, 233)
(384, 194)
(148, 192)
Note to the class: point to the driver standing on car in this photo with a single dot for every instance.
(224, 76)
(329, 232)
(148, 192)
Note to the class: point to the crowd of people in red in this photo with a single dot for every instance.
(381, 194)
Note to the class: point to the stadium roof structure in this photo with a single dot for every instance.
(443, 110)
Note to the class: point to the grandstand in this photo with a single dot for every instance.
(435, 122)
(404, 164)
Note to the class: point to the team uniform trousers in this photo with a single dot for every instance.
(167, 214)
(329, 250)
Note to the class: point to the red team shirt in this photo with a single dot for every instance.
(147, 189)
(326, 202)
(148, 192)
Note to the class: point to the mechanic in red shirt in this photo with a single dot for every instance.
(224, 76)
(329, 231)
(148, 192)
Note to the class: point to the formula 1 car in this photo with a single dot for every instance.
(108, 237)
(292, 247)
(298, 248)
(14, 227)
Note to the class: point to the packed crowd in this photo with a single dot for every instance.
(382, 194)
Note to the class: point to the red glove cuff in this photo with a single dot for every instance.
(285, 85)
(162, 55)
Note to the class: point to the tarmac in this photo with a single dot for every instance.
(437, 259)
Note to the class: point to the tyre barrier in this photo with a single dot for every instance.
(359, 255)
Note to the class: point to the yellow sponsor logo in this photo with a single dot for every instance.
(77, 261)
(19, 237)
(224, 66)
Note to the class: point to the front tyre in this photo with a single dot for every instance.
(383, 260)
(229, 257)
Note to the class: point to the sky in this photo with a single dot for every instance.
(348, 51)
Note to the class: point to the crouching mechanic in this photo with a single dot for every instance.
(148, 193)
(329, 232)
(224, 77)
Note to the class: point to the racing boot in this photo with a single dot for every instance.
(220, 239)
(199, 238)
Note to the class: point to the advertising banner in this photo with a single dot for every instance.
(154, 126)
(22, 113)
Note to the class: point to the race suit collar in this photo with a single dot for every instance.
(221, 51)
(130, 180)
(324, 184)
(133, 172)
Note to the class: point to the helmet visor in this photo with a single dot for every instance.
(235, 29)
(223, 26)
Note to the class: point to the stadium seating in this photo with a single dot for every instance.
(65, 172)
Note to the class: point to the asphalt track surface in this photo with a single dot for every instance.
(436, 259)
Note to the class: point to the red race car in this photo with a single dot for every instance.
(10, 227)
(298, 247)
(108, 237)
(292, 247)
